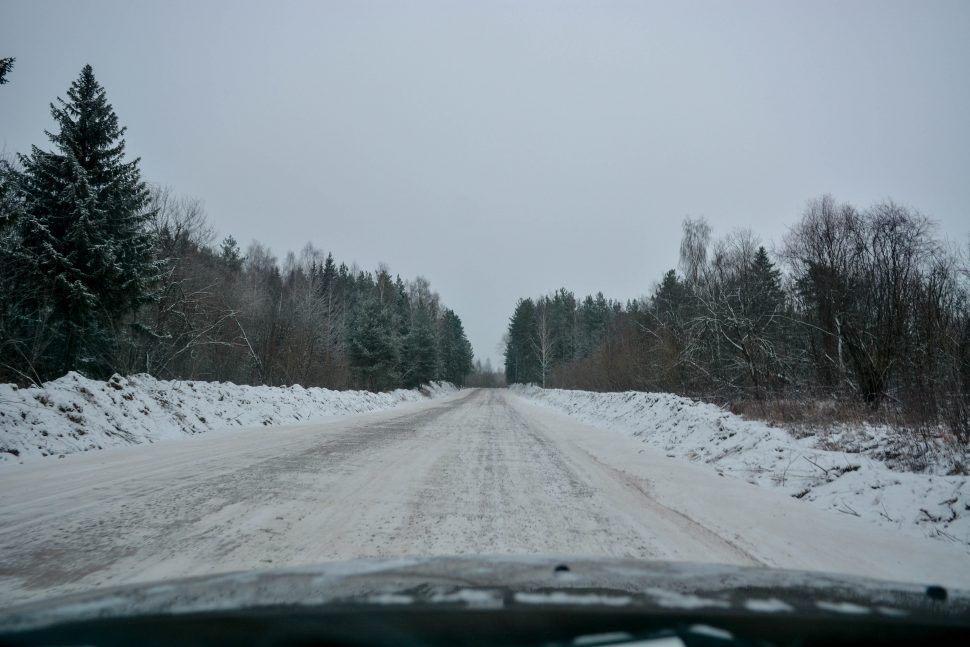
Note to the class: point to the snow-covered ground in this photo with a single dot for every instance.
(74, 413)
(861, 479)
(478, 472)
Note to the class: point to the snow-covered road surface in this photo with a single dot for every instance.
(477, 472)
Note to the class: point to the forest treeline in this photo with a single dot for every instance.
(867, 307)
(484, 376)
(100, 273)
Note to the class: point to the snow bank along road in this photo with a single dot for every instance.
(476, 472)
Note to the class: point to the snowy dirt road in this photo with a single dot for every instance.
(477, 472)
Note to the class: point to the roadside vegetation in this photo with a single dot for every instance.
(101, 273)
(859, 316)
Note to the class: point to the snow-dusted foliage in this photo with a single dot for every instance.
(853, 472)
(74, 413)
(82, 257)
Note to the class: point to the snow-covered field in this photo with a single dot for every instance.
(74, 413)
(861, 479)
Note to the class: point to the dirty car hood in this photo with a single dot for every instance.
(506, 583)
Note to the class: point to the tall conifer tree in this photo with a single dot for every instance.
(86, 256)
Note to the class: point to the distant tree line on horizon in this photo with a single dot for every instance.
(484, 376)
(100, 273)
(865, 307)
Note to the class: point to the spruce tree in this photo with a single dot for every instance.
(466, 354)
(86, 255)
(455, 354)
(11, 203)
(521, 362)
(420, 356)
(768, 294)
(373, 345)
(328, 277)
(231, 257)
(6, 66)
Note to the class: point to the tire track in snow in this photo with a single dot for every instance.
(481, 472)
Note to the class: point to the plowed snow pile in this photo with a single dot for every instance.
(74, 413)
(861, 479)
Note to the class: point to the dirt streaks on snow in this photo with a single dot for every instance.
(853, 482)
(477, 472)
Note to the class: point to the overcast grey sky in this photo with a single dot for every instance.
(504, 149)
